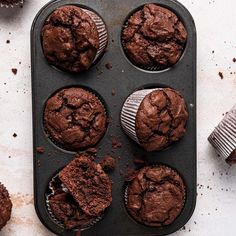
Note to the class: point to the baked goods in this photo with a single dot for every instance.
(73, 38)
(75, 118)
(155, 196)
(155, 118)
(5, 206)
(154, 37)
(10, 3)
(223, 138)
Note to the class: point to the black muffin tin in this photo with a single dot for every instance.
(124, 78)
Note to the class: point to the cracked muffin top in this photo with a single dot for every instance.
(155, 196)
(154, 37)
(75, 119)
(161, 119)
(70, 39)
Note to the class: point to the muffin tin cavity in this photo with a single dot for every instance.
(153, 37)
(111, 81)
(75, 118)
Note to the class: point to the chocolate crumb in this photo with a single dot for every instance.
(109, 65)
(92, 151)
(8, 41)
(221, 75)
(40, 150)
(234, 60)
(14, 135)
(115, 143)
(113, 92)
(108, 163)
(14, 71)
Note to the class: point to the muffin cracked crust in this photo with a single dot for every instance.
(154, 37)
(75, 119)
(161, 119)
(70, 39)
(155, 196)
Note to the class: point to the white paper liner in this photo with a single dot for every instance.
(129, 112)
(12, 5)
(79, 228)
(223, 138)
(102, 31)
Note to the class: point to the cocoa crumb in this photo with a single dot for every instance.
(14, 135)
(108, 65)
(8, 41)
(115, 143)
(14, 71)
(40, 150)
(234, 60)
(113, 92)
(221, 75)
(108, 163)
(92, 151)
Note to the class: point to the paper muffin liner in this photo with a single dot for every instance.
(79, 228)
(127, 187)
(223, 138)
(49, 136)
(20, 2)
(102, 31)
(129, 112)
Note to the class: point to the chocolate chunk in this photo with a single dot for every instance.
(75, 119)
(161, 119)
(155, 196)
(14, 135)
(154, 37)
(14, 71)
(70, 39)
(221, 75)
(89, 185)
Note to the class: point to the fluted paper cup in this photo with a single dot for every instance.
(102, 32)
(223, 138)
(129, 112)
(8, 5)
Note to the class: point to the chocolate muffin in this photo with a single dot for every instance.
(154, 37)
(75, 119)
(89, 185)
(66, 210)
(73, 38)
(5, 206)
(223, 138)
(155, 196)
(155, 118)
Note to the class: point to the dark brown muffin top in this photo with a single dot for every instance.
(161, 119)
(75, 119)
(66, 210)
(9, 2)
(70, 39)
(155, 196)
(5, 206)
(154, 37)
(89, 185)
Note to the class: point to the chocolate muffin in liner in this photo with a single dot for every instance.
(165, 128)
(60, 44)
(155, 211)
(11, 3)
(153, 37)
(223, 138)
(88, 223)
(64, 145)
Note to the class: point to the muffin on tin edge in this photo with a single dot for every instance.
(75, 118)
(155, 196)
(155, 118)
(73, 38)
(154, 37)
(81, 193)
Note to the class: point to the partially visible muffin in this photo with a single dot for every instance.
(155, 196)
(154, 37)
(5, 206)
(89, 185)
(70, 38)
(10, 3)
(155, 118)
(75, 119)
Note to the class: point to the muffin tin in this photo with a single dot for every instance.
(114, 86)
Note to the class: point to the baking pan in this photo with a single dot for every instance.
(123, 79)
